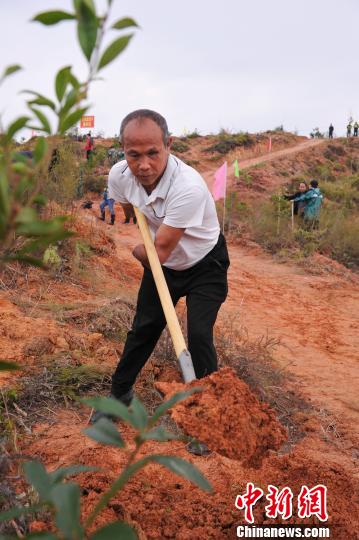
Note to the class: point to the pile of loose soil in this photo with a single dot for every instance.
(162, 505)
(228, 417)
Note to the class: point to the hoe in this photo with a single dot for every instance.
(182, 353)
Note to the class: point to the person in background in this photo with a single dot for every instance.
(331, 131)
(111, 154)
(349, 130)
(107, 202)
(356, 127)
(120, 155)
(129, 214)
(313, 200)
(114, 155)
(298, 205)
(89, 146)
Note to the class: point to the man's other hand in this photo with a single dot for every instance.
(140, 254)
(166, 240)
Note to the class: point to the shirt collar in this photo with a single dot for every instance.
(161, 190)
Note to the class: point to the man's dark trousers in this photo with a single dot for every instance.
(205, 288)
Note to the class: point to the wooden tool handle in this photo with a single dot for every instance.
(163, 292)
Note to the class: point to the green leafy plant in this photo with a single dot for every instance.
(63, 499)
(24, 233)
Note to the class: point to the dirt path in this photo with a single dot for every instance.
(245, 164)
(316, 319)
(272, 156)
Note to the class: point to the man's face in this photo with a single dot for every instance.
(302, 187)
(145, 151)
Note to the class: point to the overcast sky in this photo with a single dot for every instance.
(246, 65)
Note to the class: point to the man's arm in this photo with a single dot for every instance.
(305, 196)
(185, 210)
(166, 240)
(290, 197)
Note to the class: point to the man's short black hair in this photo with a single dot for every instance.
(314, 183)
(152, 115)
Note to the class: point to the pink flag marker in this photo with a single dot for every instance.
(270, 144)
(220, 182)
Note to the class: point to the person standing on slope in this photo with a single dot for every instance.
(298, 206)
(107, 201)
(89, 146)
(183, 221)
(331, 131)
(313, 200)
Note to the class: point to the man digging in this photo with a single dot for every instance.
(192, 251)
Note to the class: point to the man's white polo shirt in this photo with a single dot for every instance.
(181, 199)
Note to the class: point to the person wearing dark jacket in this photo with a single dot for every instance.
(298, 205)
(312, 200)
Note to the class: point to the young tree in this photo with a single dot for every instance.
(24, 234)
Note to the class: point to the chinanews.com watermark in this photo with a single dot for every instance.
(282, 531)
(311, 502)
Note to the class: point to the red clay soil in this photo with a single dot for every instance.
(228, 417)
(244, 440)
(314, 316)
(161, 505)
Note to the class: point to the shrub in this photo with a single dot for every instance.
(94, 184)
(316, 134)
(179, 147)
(194, 135)
(322, 171)
(337, 236)
(342, 192)
(333, 151)
(192, 162)
(271, 229)
(228, 142)
(341, 239)
(336, 149)
(63, 176)
(339, 167)
(244, 176)
(51, 257)
(99, 156)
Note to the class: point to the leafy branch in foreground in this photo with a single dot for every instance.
(24, 234)
(63, 499)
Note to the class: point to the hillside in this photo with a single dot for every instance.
(289, 330)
